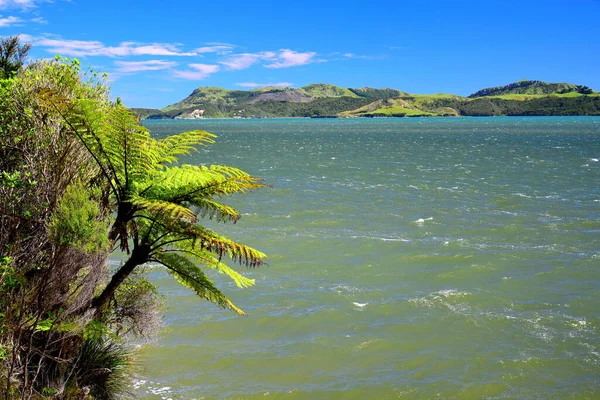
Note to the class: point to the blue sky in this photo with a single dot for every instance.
(156, 51)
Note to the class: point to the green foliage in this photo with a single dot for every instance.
(80, 176)
(105, 367)
(157, 205)
(48, 391)
(12, 56)
(190, 275)
(135, 309)
(50, 202)
(75, 221)
(97, 330)
(16, 179)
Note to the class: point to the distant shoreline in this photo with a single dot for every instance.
(377, 117)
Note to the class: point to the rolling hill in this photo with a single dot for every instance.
(325, 100)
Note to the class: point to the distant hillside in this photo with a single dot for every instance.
(212, 95)
(325, 100)
(533, 88)
(148, 113)
(321, 90)
(292, 95)
(373, 93)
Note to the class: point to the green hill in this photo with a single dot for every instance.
(533, 88)
(320, 90)
(325, 100)
(147, 113)
(212, 95)
(373, 93)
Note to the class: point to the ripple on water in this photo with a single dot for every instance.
(424, 258)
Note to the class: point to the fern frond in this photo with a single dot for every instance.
(211, 209)
(190, 275)
(129, 145)
(199, 238)
(196, 183)
(209, 260)
(220, 245)
(184, 143)
(240, 280)
(165, 209)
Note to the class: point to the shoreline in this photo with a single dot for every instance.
(378, 117)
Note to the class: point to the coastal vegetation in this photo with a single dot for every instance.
(81, 179)
(324, 100)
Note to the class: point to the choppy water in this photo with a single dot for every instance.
(412, 258)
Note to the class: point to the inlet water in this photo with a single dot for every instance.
(408, 258)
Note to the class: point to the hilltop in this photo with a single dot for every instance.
(326, 100)
(533, 88)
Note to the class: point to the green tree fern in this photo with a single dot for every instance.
(157, 204)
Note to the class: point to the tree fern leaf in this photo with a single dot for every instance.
(183, 143)
(208, 240)
(240, 280)
(209, 260)
(166, 209)
(190, 275)
(211, 209)
(196, 183)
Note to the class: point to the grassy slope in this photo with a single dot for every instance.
(374, 93)
(409, 106)
(321, 90)
(212, 96)
(397, 110)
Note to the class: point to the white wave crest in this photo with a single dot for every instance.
(421, 221)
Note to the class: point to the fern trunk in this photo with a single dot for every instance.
(139, 256)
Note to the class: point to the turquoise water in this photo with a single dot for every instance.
(409, 258)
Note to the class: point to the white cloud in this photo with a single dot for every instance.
(22, 4)
(219, 44)
(82, 48)
(149, 65)
(9, 21)
(156, 49)
(255, 85)
(200, 71)
(26, 38)
(289, 58)
(352, 56)
(283, 59)
(219, 49)
(246, 60)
